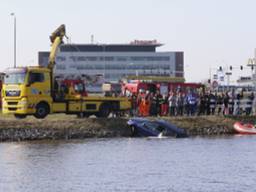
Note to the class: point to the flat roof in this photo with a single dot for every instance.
(109, 47)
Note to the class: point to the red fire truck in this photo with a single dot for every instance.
(164, 88)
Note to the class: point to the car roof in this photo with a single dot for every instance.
(139, 119)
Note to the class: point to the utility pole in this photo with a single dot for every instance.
(228, 78)
(252, 63)
(14, 33)
(254, 70)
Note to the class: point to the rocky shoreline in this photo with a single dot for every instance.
(57, 127)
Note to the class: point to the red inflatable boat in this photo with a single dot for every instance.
(244, 128)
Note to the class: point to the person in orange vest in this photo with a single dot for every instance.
(143, 107)
(147, 104)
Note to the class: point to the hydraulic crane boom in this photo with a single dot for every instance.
(56, 39)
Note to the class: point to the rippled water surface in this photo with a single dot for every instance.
(137, 164)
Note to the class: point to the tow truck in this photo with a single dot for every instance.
(33, 90)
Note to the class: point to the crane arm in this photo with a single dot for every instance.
(56, 39)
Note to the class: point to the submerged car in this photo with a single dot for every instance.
(145, 128)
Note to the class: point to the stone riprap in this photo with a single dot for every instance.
(70, 127)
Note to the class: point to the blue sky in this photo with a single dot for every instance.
(211, 33)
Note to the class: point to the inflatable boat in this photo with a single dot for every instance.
(244, 128)
(145, 128)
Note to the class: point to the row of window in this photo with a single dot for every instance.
(114, 67)
(114, 76)
(112, 58)
(124, 72)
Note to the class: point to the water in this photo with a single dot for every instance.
(130, 164)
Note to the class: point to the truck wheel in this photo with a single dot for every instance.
(104, 110)
(42, 110)
(20, 116)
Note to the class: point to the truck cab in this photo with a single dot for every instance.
(26, 90)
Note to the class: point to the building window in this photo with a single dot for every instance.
(138, 58)
(80, 58)
(61, 67)
(121, 58)
(60, 59)
(92, 58)
(156, 58)
(109, 58)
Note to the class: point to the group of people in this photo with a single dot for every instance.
(191, 102)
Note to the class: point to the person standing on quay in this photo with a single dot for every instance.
(225, 102)
(254, 105)
(139, 103)
(172, 103)
(148, 103)
(159, 98)
(213, 102)
(232, 102)
(220, 103)
(202, 104)
(180, 103)
(164, 105)
(153, 107)
(192, 102)
(134, 104)
(248, 109)
(207, 103)
(152, 104)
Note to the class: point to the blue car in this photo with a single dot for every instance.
(142, 127)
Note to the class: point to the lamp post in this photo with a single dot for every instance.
(252, 64)
(228, 74)
(210, 73)
(14, 33)
(104, 56)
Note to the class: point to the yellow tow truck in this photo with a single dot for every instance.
(33, 91)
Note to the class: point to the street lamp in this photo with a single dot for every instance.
(104, 56)
(14, 33)
(228, 74)
(252, 64)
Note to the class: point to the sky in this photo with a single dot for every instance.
(211, 33)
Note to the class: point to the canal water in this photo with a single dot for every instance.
(130, 164)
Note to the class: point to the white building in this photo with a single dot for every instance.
(116, 61)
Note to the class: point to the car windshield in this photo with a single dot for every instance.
(154, 126)
(14, 78)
